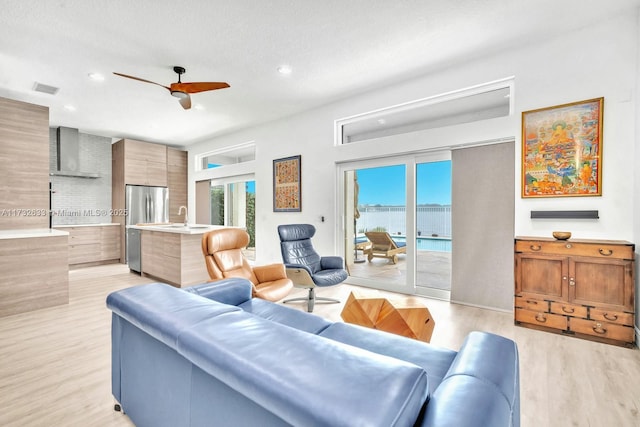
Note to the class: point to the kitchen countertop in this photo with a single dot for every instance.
(29, 233)
(177, 228)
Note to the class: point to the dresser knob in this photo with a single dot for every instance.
(612, 317)
(568, 309)
(535, 248)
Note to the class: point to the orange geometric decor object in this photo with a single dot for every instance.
(361, 310)
(406, 317)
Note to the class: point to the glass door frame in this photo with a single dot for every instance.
(409, 161)
(225, 181)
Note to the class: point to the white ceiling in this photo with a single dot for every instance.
(337, 48)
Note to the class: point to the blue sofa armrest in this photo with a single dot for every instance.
(331, 263)
(232, 291)
(481, 388)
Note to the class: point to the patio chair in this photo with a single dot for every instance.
(383, 246)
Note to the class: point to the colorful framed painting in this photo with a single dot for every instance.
(287, 184)
(562, 150)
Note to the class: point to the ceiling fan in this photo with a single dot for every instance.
(182, 90)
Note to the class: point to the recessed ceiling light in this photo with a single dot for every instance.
(96, 77)
(69, 107)
(284, 69)
(381, 121)
(198, 107)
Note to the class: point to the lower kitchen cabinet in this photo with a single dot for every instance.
(93, 244)
(583, 288)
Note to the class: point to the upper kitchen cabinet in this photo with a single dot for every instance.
(140, 163)
(24, 175)
(177, 183)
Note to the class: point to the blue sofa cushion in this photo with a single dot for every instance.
(232, 291)
(164, 311)
(276, 366)
(434, 360)
(285, 315)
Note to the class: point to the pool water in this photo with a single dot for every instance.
(436, 244)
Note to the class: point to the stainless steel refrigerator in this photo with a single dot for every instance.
(144, 205)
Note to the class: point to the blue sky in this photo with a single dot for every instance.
(386, 185)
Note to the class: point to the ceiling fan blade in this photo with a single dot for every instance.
(185, 102)
(141, 80)
(196, 87)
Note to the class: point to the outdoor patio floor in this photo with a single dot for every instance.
(433, 269)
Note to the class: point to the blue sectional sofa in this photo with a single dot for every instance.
(210, 355)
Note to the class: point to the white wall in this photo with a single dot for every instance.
(596, 61)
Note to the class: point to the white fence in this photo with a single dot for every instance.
(430, 220)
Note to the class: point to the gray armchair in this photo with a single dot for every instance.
(305, 267)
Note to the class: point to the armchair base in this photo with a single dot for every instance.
(311, 300)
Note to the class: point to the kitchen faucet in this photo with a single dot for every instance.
(186, 216)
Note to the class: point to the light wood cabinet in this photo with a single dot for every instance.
(578, 287)
(35, 274)
(144, 163)
(136, 163)
(92, 245)
(173, 258)
(24, 174)
(177, 183)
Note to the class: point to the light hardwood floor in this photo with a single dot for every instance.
(55, 362)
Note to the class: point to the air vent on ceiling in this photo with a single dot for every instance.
(41, 87)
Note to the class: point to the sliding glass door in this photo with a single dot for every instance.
(397, 232)
(379, 227)
(433, 227)
(232, 203)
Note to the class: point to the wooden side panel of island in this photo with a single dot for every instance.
(35, 274)
(174, 258)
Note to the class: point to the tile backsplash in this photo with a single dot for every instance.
(82, 200)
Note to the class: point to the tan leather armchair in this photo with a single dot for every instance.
(222, 251)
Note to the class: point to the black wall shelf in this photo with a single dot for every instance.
(565, 214)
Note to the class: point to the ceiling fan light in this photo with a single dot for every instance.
(179, 94)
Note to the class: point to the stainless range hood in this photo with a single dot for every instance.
(68, 150)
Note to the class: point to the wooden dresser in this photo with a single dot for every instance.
(583, 288)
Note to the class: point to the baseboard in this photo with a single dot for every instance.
(485, 307)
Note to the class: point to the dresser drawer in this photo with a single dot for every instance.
(602, 329)
(567, 309)
(569, 248)
(610, 316)
(533, 304)
(540, 318)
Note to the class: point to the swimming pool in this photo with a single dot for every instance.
(437, 244)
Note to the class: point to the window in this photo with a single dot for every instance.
(227, 156)
(477, 103)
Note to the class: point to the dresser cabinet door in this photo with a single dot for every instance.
(542, 276)
(601, 283)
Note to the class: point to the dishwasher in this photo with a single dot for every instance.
(133, 250)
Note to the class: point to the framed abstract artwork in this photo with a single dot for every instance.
(562, 150)
(287, 184)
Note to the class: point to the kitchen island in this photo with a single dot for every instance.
(35, 270)
(172, 253)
